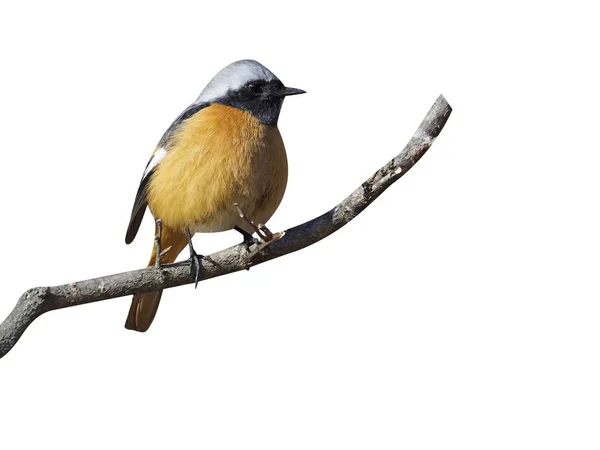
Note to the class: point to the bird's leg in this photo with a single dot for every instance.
(157, 239)
(265, 235)
(249, 222)
(248, 239)
(194, 258)
(266, 232)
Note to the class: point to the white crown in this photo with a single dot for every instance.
(234, 76)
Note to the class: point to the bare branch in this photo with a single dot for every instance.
(37, 301)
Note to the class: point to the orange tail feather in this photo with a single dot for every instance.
(143, 306)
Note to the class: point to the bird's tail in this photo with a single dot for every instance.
(143, 306)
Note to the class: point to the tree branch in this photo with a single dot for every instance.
(37, 301)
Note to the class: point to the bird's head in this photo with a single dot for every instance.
(250, 86)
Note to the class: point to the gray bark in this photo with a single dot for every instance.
(37, 301)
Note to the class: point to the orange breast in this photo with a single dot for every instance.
(218, 157)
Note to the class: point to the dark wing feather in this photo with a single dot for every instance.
(139, 208)
(140, 203)
(186, 114)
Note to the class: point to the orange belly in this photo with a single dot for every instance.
(218, 157)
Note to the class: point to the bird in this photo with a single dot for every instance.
(220, 166)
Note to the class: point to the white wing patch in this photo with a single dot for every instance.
(234, 76)
(156, 158)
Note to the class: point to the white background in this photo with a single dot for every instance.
(460, 310)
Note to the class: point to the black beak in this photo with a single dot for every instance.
(291, 91)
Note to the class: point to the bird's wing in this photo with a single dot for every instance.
(141, 201)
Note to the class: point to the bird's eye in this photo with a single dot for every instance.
(255, 88)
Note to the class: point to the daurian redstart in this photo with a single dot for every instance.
(221, 159)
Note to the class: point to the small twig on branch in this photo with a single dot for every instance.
(37, 301)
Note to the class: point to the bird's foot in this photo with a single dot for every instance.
(248, 238)
(265, 235)
(194, 258)
(195, 266)
(160, 253)
(272, 238)
(157, 240)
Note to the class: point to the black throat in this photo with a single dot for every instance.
(261, 99)
(266, 110)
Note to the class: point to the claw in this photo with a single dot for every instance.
(194, 259)
(195, 267)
